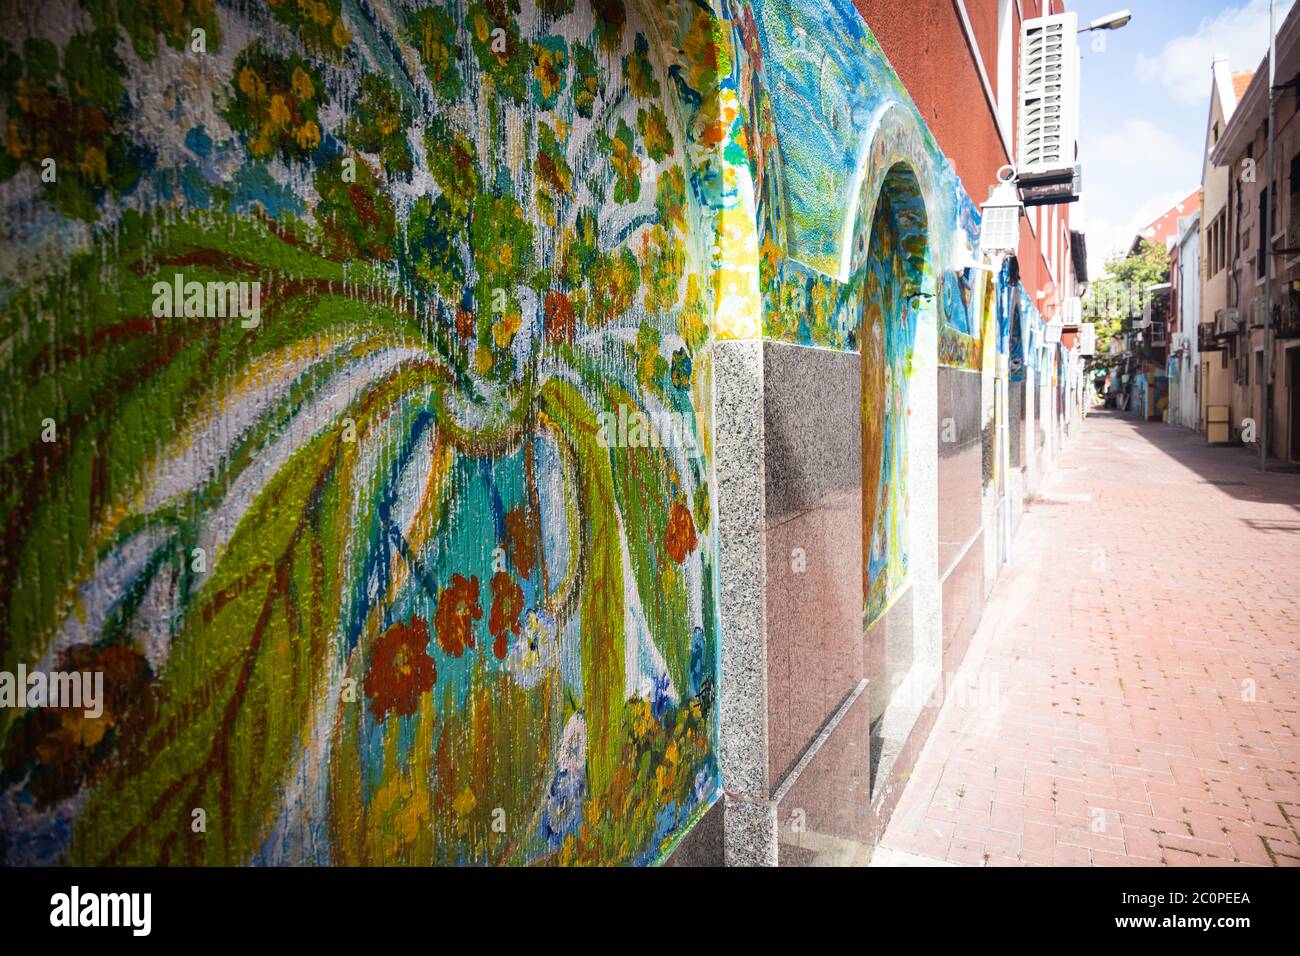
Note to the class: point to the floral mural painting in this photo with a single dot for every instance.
(336, 524)
(862, 226)
(828, 119)
(893, 305)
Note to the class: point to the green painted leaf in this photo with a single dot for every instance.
(602, 638)
(237, 688)
(644, 483)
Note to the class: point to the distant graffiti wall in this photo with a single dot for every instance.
(357, 373)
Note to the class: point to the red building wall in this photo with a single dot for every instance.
(1165, 227)
(929, 50)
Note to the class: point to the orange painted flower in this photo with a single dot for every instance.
(522, 533)
(465, 323)
(507, 605)
(401, 670)
(458, 609)
(559, 317)
(679, 535)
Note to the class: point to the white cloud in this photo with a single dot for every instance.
(1139, 147)
(1109, 236)
(1183, 65)
(1136, 158)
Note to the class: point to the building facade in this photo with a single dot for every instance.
(1257, 330)
(474, 433)
(1217, 373)
(1184, 368)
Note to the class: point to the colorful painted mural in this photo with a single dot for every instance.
(849, 258)
(315, 313)
(1026, 339)
(829, 119)
(893, 306)
(340, 341)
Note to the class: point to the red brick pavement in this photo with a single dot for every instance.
(1132, 692)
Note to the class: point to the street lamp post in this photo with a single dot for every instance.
(1111, 21)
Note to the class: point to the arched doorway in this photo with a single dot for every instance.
(899, 451)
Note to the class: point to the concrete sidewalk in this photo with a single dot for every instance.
(1131, 697)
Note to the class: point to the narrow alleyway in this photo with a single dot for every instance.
(1132, 694)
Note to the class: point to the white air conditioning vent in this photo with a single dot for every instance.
(1072, 310)
(1087, 339)
(1227, 321)
(1049, 95)
(1177, 342)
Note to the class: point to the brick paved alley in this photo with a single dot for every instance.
(1139, 661)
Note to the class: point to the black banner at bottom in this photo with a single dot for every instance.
(930, 905)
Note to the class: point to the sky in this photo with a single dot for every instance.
(1144, 103)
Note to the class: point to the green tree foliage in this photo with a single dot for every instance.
(1121, 292)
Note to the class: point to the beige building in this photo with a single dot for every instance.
(1214, 377)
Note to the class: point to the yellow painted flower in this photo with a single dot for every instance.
(280, 114)
(625, 162)
(251, 84)
(15, 141)
(692, 323)
(94, 164)
(483, 359)
(665, 777)
(260, 145)
(548, 72)
(504, 329)
(308, 135)
(771, 253)
(301, 84)
(642, 721)
(505, 257)
(340, 34)
(465, 802)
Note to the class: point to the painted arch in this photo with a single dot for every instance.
(893, 279)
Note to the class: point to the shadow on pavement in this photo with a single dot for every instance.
(1234, 469)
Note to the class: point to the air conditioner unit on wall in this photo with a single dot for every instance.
(1087, 339)
(1072, 310)
(1049, 95)
(1227, 321)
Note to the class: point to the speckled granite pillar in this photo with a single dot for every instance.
(750, 820)
(750, 832)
